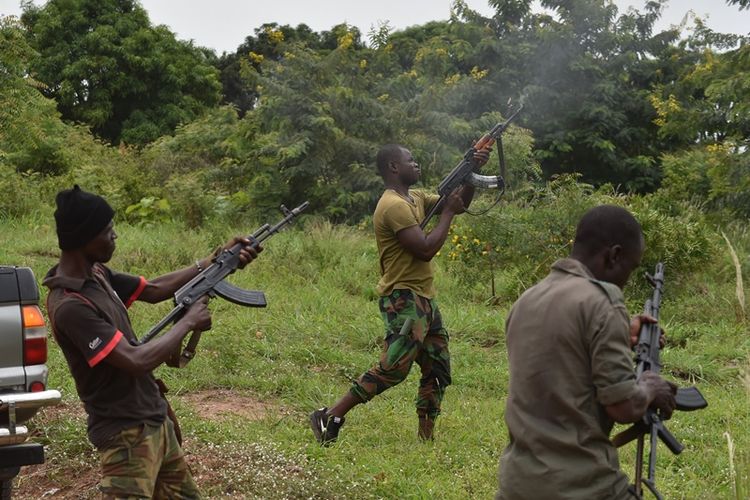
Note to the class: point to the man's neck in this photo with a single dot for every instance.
(401, 189)
(591, 263)
(74, 265)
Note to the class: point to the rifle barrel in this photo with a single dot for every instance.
(222, 266)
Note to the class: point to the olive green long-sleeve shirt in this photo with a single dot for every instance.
(569, 353)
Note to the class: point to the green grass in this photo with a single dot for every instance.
(321, 329)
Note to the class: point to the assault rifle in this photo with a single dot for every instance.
(463, 173)
(210, 281)
(688, 399)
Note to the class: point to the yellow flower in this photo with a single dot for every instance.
(478, 74)
(346, 40)
(275, 36)
(477, 242)
(453, 79)
(256, 58)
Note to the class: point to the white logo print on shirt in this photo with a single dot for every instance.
(95, 343)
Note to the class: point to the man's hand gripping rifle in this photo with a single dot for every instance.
(211, 282)
(687, 399)
(464, 173)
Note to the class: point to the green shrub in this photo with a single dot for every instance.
(149, 210)
(716, 175)
(20, 194)
(513, 246)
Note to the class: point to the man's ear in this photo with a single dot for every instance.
(392, 166)
(614, 255)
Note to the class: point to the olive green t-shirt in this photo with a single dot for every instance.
(569, 352)
(399, 269)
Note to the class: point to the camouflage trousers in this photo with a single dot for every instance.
(146, 462)
(426, 342)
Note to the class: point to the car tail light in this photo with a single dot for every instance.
(34, 336)
(36, 387)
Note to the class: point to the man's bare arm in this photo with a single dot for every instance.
(164, 287)
(650, 389)
(140, 359)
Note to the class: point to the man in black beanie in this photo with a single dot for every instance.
(127, 414)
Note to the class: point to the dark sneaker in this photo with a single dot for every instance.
(324, 426)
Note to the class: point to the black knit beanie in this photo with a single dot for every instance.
(79, 217)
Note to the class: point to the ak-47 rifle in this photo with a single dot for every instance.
(463, 173)
(210, 281)
(688, 399)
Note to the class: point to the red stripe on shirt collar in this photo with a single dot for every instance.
(137, 292)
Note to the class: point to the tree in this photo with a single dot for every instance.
(108, 67)
(322, 115)
(743, 4)
(253, 51)
(585, 74)
(264, 46)
(707, 107)
(32, 137)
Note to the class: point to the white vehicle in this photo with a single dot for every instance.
(23, 371)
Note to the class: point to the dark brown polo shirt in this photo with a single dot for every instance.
(89, 317)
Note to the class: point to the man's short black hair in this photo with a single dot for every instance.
(387, 154)
(605, 226)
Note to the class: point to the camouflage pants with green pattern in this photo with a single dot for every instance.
(146, 462)
(426, 342)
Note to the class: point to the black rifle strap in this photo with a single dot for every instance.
(188, 353)
(501, 160)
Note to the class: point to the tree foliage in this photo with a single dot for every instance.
(322, 116)
(109, 68)
(606, 97)
(32, 136)
(743, 4)
(264, 45)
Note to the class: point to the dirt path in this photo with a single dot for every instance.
(223, 470)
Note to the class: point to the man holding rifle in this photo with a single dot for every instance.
(87, 303)
(413, 326)
(571, 369)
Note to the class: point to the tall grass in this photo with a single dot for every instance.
(739, 287)
(321, 329)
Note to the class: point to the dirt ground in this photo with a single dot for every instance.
(63, 478)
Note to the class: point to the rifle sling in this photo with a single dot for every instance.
(188, 353)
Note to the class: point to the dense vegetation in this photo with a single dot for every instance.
(604, 95)
(191, 146)
(244, 401)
